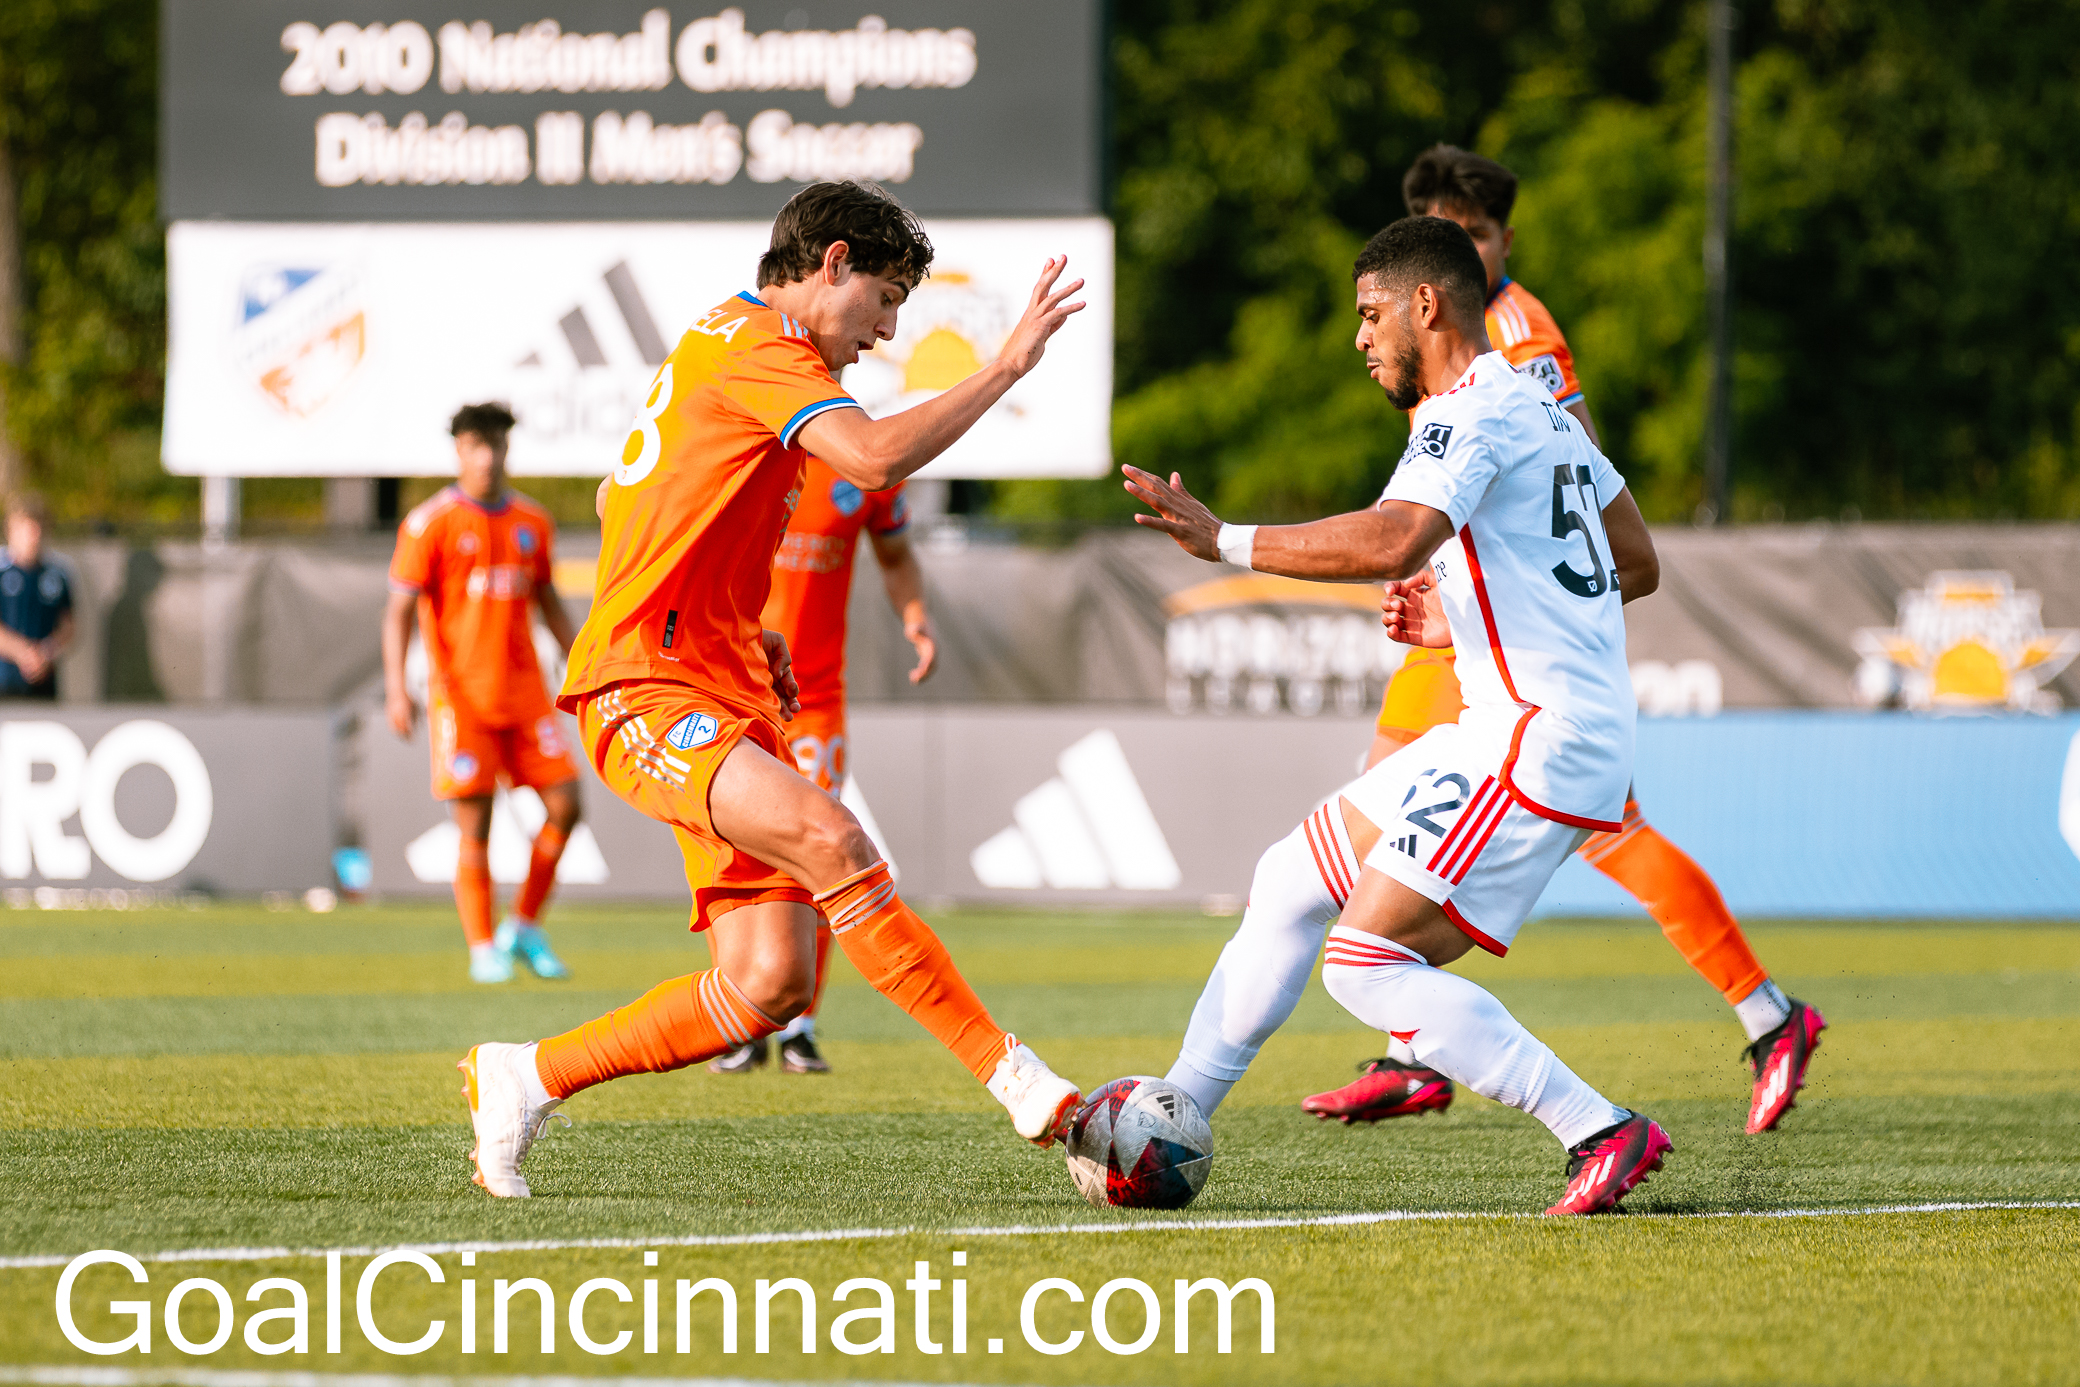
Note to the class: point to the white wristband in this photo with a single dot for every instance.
(1235, 543)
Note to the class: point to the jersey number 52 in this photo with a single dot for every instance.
(1586, 522)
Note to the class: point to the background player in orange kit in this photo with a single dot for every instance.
(812, 587)
(681, 694)
(472, 564)
(1479, 194)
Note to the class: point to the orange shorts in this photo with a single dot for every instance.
(658, 743)
(1423, 693)
(470, 758)
(817, 739)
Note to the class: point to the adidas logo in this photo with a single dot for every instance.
(583, 341)
(1406, 845)
(1087, 829)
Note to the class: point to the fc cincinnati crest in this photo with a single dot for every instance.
(1431, 439)
(301, 333)
(695, 729)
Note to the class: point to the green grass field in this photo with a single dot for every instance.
(233, 1078)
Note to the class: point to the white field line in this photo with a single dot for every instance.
(1017, 1230)
(204, 1377)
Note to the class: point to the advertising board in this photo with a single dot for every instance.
(120, 798)
(311, 350)
(404, 110)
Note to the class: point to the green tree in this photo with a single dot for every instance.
(79, 116)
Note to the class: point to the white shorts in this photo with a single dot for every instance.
(1450, 832)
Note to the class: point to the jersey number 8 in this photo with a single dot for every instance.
(634, 469)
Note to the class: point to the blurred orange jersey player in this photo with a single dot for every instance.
(472, 565)
(1479, 195)
(812, 589)
(681, 693)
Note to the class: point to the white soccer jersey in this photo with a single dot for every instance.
(1528, 587)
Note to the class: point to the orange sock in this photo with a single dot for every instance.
(674, 1024)
(899, 954)
(473, 890)
(541, 873)
(1682, 899)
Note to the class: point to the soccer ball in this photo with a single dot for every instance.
(1139, 1143)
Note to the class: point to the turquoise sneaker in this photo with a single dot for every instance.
(518, 940)
(489, 963)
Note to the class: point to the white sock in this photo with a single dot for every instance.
(1461, 1031)
(538, 1094)
(1399, 1049)
(803, 1025)
(1300, 886)
(487, 949)
(1763, 1010)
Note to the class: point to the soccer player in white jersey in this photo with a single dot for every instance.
(1504, 531)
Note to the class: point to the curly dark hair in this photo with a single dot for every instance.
(1427, 250)
(881, 236)
(490, 421)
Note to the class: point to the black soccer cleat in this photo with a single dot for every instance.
(741, 1060)
(798, 1055)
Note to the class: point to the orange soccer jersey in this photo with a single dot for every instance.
(476, 570)
(812, 575)
(708, 479)
(1522, 330)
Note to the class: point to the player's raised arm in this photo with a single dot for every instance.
(1394, 539)
(875, 454)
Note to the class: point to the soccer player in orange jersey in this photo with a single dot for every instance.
(472, 565)
(682, 696)
(1479, 195)
(812, 587)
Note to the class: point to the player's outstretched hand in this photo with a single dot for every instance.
(781, 664)
(1412, 614)
(921, 639)
(1178, 513)
(1045, 312)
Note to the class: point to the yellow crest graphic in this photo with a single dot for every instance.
(1965, 642)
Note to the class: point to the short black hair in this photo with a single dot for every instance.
(882, 236)
(490, 421)
(1427, 250)
(1447, 176)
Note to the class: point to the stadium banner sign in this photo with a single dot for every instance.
(1793, 814)
(116, 799)
(620, 110)
(313, 350)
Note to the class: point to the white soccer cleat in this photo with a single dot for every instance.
(1040, 1101)
(506, 1121)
